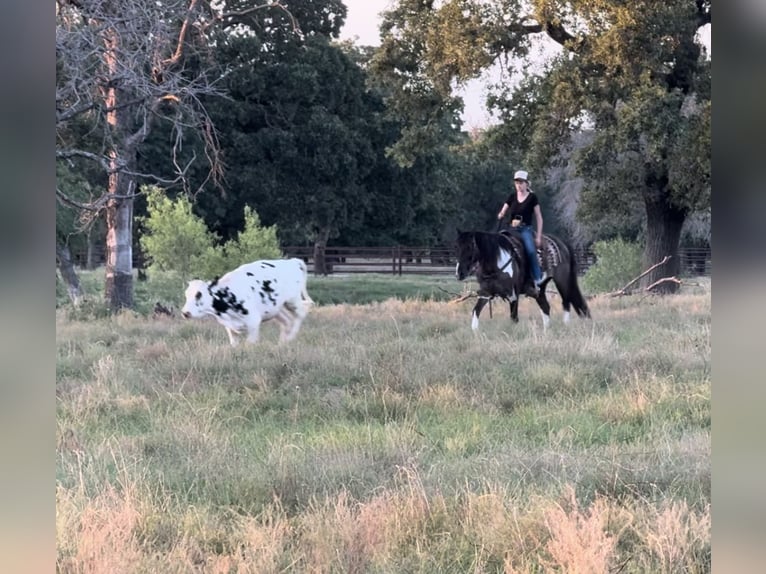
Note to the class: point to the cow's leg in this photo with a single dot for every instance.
(477, 311)
(297, 310)
(253, 330)
(285, 321)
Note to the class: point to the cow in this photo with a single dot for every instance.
(251, 294)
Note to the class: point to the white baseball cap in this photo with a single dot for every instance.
(521, 174)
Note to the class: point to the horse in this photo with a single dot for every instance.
(500, 264)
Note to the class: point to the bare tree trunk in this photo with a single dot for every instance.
(320, 244)
(663, 235)
(119, 211)
(68, 273)
(119, 243)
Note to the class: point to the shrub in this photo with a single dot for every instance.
(617, 262)
(177, 240)
(253, 242)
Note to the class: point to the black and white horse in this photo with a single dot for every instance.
(500, 265)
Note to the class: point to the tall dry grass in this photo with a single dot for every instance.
(389, 438)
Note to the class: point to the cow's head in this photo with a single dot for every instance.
(199, 301)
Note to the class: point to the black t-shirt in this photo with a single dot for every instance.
(525, 209)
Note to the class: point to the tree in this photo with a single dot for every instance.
(121, 68)
(71, 229)
(300, 129)
(635, 73)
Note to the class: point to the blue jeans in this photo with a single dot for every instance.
(528, 238)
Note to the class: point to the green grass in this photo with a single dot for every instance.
(388, 437)
(355, 289)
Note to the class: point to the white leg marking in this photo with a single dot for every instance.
(546, 320)
(474, 322)
(232, 336)
(566, 317)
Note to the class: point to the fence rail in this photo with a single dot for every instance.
(400, 260)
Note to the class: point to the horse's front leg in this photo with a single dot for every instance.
(515, 310)
(483, 299)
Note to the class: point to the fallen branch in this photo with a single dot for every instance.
(624, 290)
(458, 297)
(464, 296)
(675, 280)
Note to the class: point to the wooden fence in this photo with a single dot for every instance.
(401, 260)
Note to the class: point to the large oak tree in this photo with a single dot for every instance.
(634, 73)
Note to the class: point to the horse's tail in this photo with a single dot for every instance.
(575, 295)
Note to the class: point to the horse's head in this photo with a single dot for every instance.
(467, 254)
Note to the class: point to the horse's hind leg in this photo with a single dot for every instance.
(477, 311)
(565, 302)
(545, 307)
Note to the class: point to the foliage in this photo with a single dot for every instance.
(424, 52)
(617, 262)
(119, 67)
(176, 239)
(304, 128)
(634, 73)
(253, 242)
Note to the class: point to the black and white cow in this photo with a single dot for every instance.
(251, 294)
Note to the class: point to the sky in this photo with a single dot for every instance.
(362, 23)
(362, 26)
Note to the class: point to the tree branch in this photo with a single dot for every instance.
(236, 16)
(101, 160)
(469, 295)
(624, 290)
(176, 57)
(555, 30)
(94, 206)
(73, 111)
(675, 280)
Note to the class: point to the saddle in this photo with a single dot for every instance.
(517, 244)
(548, 255)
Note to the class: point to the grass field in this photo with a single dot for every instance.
(387, 438)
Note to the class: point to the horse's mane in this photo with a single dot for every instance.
(489, 246)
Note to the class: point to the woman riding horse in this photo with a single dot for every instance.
(499, 263)
(524, 206)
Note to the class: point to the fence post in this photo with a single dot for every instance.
(394, 250)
